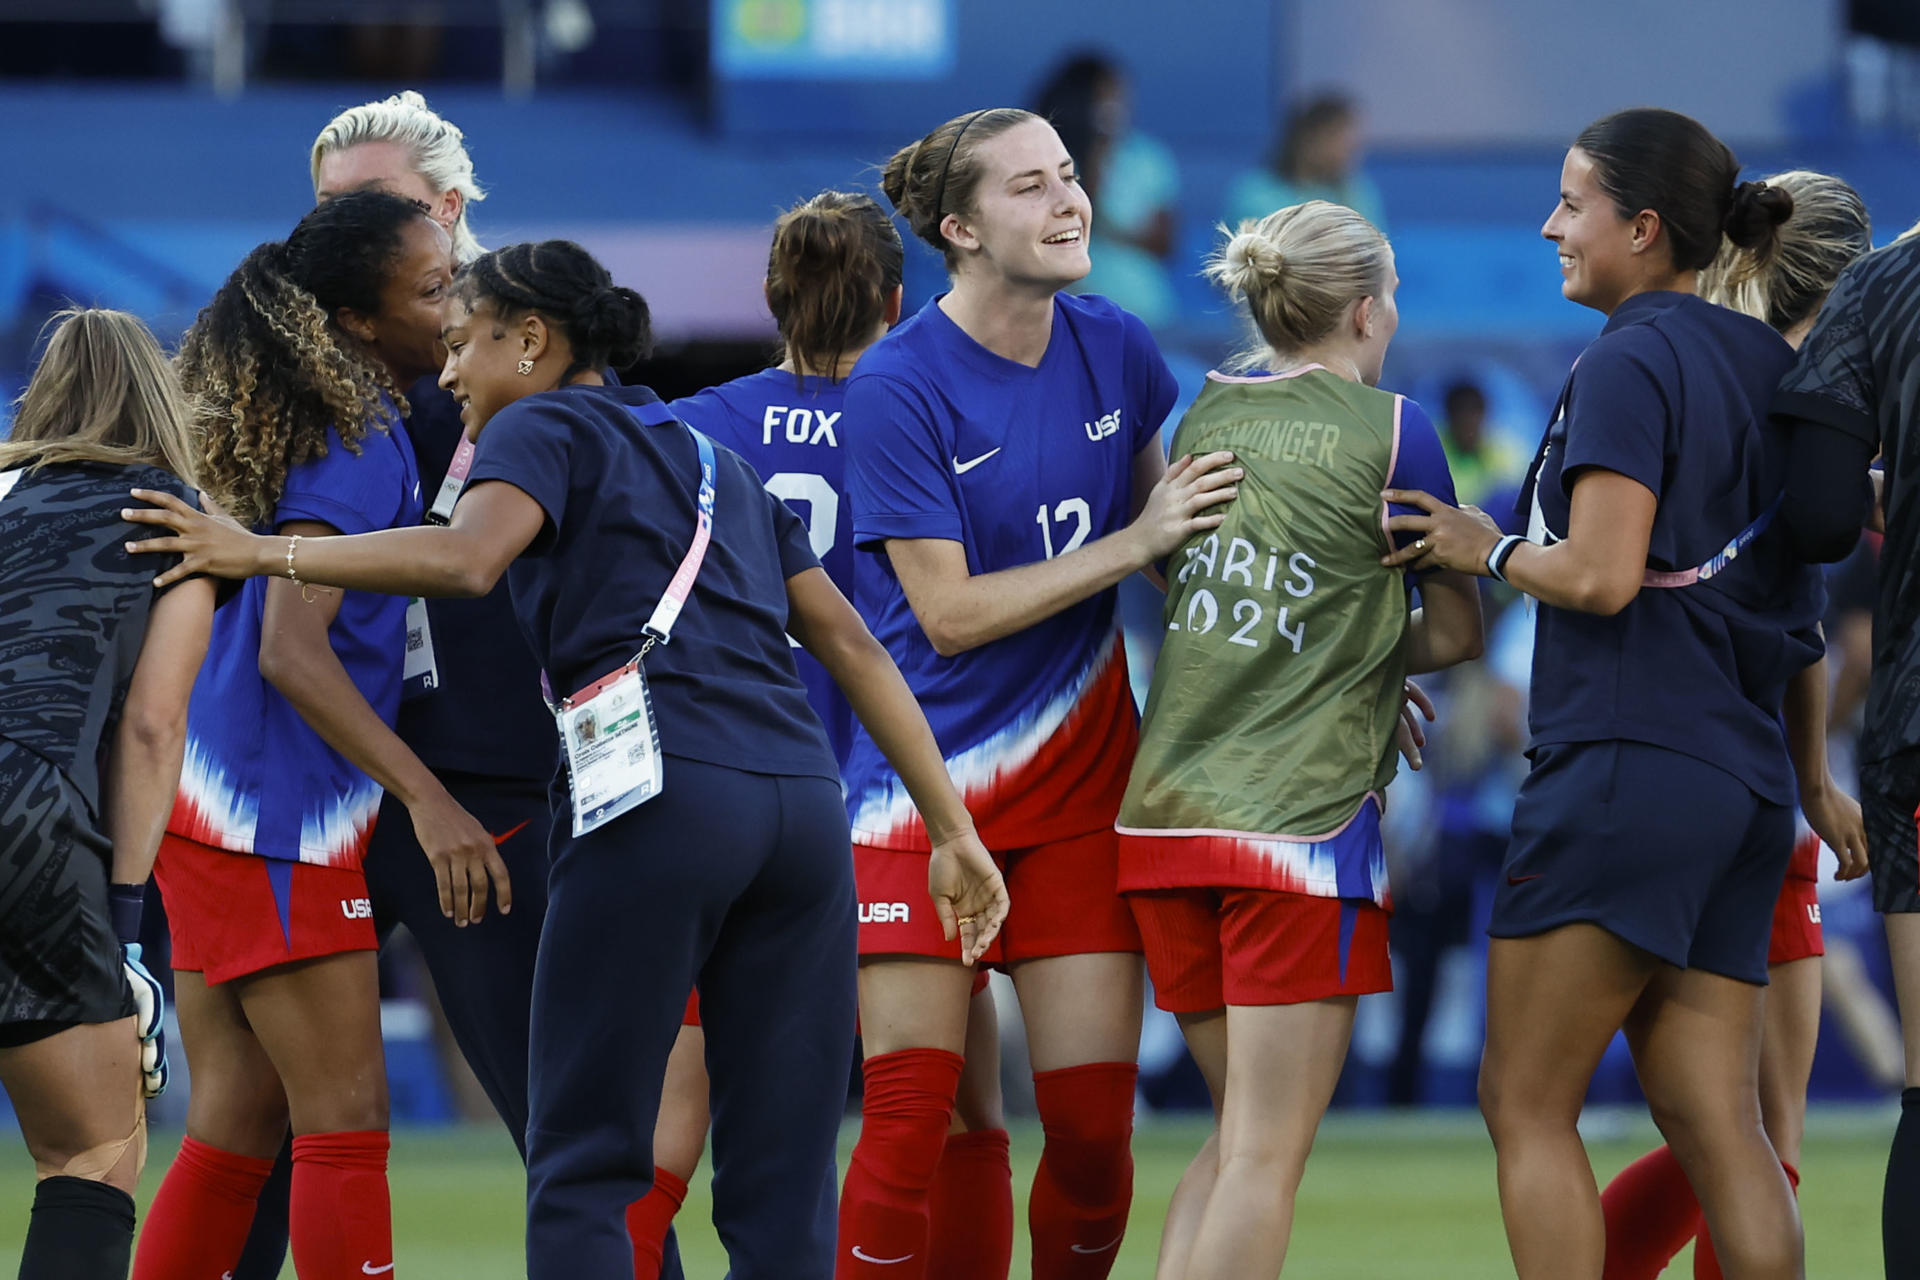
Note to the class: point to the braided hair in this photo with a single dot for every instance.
(606, 325)
(266, 367)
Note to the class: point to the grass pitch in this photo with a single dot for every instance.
(1387, 1196)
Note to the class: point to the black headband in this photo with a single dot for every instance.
(940, 192)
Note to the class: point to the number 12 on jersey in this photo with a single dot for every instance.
(1074, 509)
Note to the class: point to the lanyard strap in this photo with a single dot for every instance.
(658, 628)
(457, 472)
(1726, 555)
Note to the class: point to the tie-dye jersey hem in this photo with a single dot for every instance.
(1056, 772)
(1348, 862)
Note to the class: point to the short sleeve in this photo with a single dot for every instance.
(1151, 386)
(1420, 462)
(354, 492)
(530, 447)
(151, 564)
(796, 547)
(1619, 410)
(899, 476)
(1832, 382)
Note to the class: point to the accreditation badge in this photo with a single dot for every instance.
(613, 748)
(419, 673)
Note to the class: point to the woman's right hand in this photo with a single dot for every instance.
(1186, 501)
(208, 542)
(463, 857)
(969, 894)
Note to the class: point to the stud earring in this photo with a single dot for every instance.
(525, 367)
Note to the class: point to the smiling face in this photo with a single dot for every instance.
(1600, 251)
(483, 356)
(404, 334)
(1030, 216)
(383, 166)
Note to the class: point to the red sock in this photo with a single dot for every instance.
(340, 1222)
(903, 1130)
(648, 1219)
(1084, 1186)
(971, 1233)
(200, 1217)
(1651, 1214)
(1706, 1263)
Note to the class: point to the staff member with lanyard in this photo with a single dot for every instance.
(1651, 837)
(703, 837)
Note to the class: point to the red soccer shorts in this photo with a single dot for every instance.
(1064, 903)
(234, 914)
(1796, 915)
(1211, 947)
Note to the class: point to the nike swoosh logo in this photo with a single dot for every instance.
(1102, 1249)
(880, 1262)
(961, 468)
(510, 833)
(367, 1268)
(1522, 879)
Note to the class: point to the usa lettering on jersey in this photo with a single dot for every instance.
(1108, 424)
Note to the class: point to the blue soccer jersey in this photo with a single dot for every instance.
(788, 428)
(257, 779)
(947, 440)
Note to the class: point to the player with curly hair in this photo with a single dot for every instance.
(293, 371)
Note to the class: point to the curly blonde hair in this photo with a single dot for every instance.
(267, 369)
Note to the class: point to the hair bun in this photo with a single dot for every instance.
(616, 318)
(1756, 210)
(1251, 257)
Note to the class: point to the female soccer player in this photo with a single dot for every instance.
(1273, 710)
(481, 726)
(1849, 396)
(293, 370)
(1650, 1207)
(1652, 835)
(704, 835)
(97, 668)
(833, 285)
(1004, 462)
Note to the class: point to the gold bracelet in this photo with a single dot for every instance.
(293, 544)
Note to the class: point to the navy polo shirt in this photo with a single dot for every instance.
(620, 504)
(1674, 394)
(485, 716)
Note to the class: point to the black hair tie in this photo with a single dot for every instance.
(946, 166)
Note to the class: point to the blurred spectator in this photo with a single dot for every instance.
(1317, 157)
(1132, 179)
(1474, 764)
(1487, 469)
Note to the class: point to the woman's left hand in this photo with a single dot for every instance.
(208, 542)
(1449, 537)
(1410, 736)
(969, 893)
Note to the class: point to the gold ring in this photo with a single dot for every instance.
(1421, 545)
(967, 919)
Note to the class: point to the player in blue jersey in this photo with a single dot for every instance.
(833, 285)
(1005, 469)
(294, 370)
(472, 712)
(704, 832)
(1654, 830)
